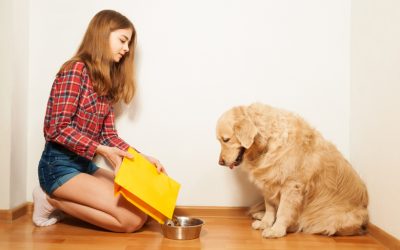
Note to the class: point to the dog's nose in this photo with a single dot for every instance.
(221, 161)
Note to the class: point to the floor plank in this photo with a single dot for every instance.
(218, 233)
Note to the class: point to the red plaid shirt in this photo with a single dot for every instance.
(77, 117)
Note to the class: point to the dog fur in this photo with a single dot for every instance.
(307, 184)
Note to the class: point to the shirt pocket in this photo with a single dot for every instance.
(89, 103)
(88, 122)
(96, 105)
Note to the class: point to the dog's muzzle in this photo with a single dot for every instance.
(239, 158)
(237, 161)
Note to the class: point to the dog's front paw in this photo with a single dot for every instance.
(274, 232)
(258, 225)
(258, 215)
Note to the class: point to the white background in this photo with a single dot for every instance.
(334, 62)
(196, 59)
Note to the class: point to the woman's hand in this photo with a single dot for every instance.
(159, 166)
(113, 155)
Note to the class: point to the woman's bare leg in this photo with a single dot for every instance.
(104, 175)
(91, 199)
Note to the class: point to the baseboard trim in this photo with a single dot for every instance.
(211, 211)
(377, 233)
(383, 237)
(14, 213)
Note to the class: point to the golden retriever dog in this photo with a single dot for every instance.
(307, 184)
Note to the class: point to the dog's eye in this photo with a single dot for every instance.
(225, 139)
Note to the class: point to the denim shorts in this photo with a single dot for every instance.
(58, 165)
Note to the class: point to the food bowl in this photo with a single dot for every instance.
(182, 228)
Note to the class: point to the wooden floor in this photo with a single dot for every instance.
(218, 233)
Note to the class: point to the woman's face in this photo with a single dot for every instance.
(119, 43)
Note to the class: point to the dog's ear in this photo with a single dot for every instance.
(245, 132)
(258, 148)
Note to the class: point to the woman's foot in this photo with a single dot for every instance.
(44, 214)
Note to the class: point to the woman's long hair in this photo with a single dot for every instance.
(111, 79)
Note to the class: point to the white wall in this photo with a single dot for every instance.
(195, 60)
(5, 103)
(13, 102)
(19, 115)
(375, 113)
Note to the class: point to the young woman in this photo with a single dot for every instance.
(79, 123)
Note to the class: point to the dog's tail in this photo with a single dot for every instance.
(258, 207)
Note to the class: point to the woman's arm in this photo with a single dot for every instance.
(109, 135)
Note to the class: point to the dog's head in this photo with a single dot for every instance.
(236, 133)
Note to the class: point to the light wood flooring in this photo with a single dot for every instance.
(218, 233)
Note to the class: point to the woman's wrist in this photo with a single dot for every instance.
(100, 149)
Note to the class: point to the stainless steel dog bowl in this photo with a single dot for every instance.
(182, 228)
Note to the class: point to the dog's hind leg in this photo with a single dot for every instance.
(333, 222)
(353, 223)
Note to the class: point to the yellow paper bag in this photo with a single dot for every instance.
(152, 192)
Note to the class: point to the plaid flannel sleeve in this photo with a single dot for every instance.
(109, 135)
